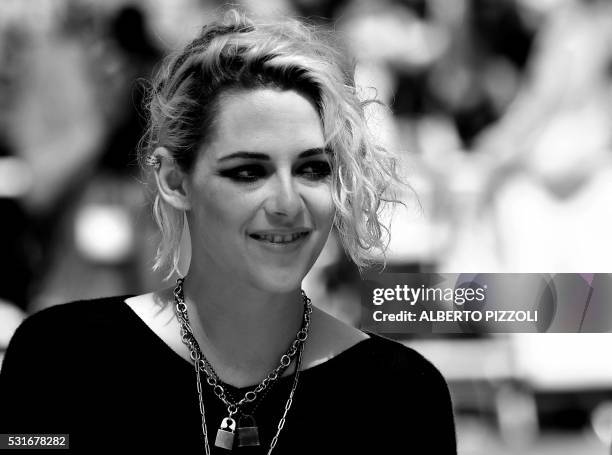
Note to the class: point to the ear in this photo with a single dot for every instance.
(171, 180)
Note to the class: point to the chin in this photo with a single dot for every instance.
(280, 281)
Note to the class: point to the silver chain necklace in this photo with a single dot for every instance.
(225, 434)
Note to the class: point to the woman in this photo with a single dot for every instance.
(257, 139)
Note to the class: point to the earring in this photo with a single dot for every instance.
(153, 161)
(184, 249)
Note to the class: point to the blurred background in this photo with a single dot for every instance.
(500, 112)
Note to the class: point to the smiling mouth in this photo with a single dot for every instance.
(279, 238)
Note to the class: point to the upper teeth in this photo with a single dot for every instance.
(278, 238)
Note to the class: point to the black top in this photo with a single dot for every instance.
(95, 370)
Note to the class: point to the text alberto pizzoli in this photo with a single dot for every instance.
(456, 296)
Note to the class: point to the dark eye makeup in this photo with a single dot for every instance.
(314, 170)
(244, 173)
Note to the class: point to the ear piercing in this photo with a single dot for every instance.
(153, 161)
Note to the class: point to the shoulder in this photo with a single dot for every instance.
(329, 337)
(154, 309)
(58, 322)
(52, 358)
(103, 307)
(399, 363)
(408, 387)
(389, 360)
(379, 365)
(56, 340)
(379, 377)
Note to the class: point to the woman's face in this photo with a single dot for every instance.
(260, 191)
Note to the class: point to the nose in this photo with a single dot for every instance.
(284, 201)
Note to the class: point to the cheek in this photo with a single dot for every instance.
(217, 210)
(322, 206)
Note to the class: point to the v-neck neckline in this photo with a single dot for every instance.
(171, 353)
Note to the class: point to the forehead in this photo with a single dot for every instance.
(270, 121)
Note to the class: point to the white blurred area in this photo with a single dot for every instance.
(500, 112)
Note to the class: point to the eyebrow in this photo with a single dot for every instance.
(264, 157)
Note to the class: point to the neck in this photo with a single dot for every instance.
(242, 331)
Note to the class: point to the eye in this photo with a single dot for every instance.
(315, 170)
(245, 174)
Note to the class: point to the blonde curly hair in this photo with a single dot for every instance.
(239, 53)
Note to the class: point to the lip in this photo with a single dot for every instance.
(281, 231)
(293, 245)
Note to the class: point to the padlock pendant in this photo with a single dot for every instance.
(226, 433)
(248, 433)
